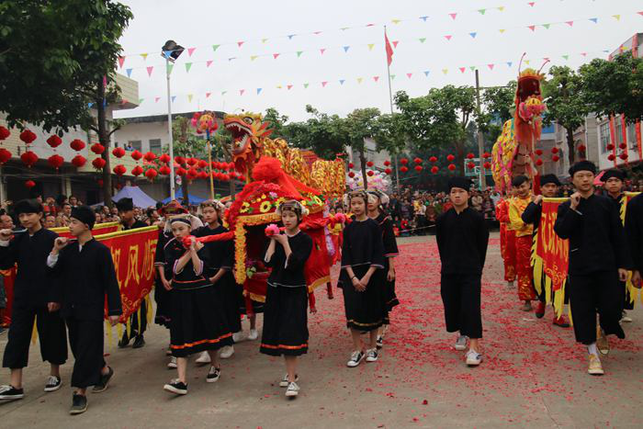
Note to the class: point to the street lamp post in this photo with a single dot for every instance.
(170, 51)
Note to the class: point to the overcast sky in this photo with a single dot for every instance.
(489, 34)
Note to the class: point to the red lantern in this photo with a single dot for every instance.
(79, 161)
(369, 164)
(470, 155)
(30, 184)
(451, 167)
(486, 155)
(118, 152)
(202, 164)
(192, 174)
(137, 171)
(136, 155)
(192, 162)
(388, 171)
(471, 165)
(4, 133)
(555, 158)
(418, 168)
(623, 156)
(387, 163)
(554, 150)
(450, 158)
(623, 146)
(610, 146)
(539, 162)
(434, 169)
(404, 161)
(351, 165)
(149, 156)
(611, 157)
(487, 165)
(231, 166)
(404, 169)
(29, 158)
(165, 158)
(581, 148)
(538, 152)
(418, 161)
(164, 170)
(56, 161)
(370, 172)
(151, 174)
(100, 183)
(351, 174)
(77, 145)
(54, 141)
(180, 171)
(119, 170)
(97, 148)
(433, 160)
(179, 160)
(204, 175)
(27, 136)
(99, 163)
(5, 156)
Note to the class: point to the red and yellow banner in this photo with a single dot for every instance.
(99, 229)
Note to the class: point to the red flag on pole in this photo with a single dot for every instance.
(389, 49)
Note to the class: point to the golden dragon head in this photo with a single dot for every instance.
(248, 131)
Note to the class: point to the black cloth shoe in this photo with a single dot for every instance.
(53, 383)
(124, 342)
(10, 393)
(139, 342)
(177, 387)
(78, 404)
(104, 381)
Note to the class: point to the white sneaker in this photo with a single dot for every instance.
(284, 381)
(461, 343)
(203, 358)
(237, 337)
(473, 358)
(371, 355)
(293, 390)
(172, 363)
(356, 358)
(625, 318)
(226, 352)
(253, 335)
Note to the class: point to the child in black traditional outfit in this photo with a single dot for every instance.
(219, 271)
(362, 278)
(198, 319)
(376, 202)
(285, 326)
(462, 237)
(85, 276)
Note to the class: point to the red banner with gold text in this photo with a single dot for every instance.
(552, 249)
(99, 229)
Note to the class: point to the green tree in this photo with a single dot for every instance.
(614, 87)
(359, 125)
(277, 121)
(55, 58)
(439, 118)
(322, 134)
(497, 108)
(563, 96)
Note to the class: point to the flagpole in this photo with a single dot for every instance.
(390, 97)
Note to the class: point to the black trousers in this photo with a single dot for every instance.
(51, 335)
(627, 302)
(461, 298)
(135, 330)
(87, 345)
(600, 293)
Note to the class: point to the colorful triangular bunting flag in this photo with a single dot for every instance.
(188, 66)
(129, 72)
(121, 61)
(149, 70)
(191, 51)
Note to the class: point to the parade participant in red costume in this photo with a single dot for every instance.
(507, 240)
(524, 240)
(285, 326)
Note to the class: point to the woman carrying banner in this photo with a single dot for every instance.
(285, 327)
(198, 318)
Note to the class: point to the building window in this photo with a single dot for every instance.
(618, 131)
(604, 132)
(135, 145)
(155, 146)
(631, 136)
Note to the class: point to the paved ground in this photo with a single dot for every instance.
(533, 374)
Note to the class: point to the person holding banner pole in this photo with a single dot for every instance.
(549, 185)
(598, 259)
(33, 298)
(85, 278)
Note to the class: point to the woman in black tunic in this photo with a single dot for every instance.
(198, 319)
(219, 270)
(362, 278)
(285, 326)
(376, 202)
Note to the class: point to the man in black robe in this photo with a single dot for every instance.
(85, 275)
(462, 238)
(598, 259)
(125, 208)
(33, 299)
(634, 233)
(549, 185)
